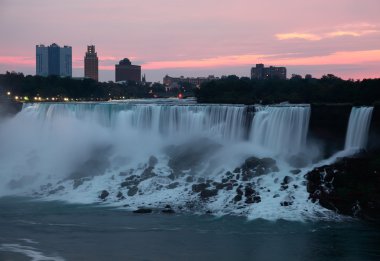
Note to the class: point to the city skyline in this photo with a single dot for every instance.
(207, 38)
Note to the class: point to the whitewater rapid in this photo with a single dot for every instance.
(152, 154)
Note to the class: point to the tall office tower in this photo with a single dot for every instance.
(125, 71)
(91, 63)
(54, 60)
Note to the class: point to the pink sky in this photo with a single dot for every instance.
(198, 37)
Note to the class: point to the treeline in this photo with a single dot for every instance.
(328, 89)
(83, 89)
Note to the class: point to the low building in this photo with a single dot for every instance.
(264, 73)
(196, 81)
(126, 71)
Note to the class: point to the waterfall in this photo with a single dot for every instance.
(281, 129)
(358, 128)
(223, 121)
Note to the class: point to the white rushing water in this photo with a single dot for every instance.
(281, 129)
(358, 128)
(150, 154)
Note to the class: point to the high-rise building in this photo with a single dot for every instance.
(125, 71)
(263, 73)
(54, 60)
(91, 63)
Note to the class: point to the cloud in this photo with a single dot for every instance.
(17, 60)
(303, 36)
(353, 30)
(286, 59)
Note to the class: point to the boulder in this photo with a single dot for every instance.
(104, 194)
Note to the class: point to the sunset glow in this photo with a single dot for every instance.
(203, 38)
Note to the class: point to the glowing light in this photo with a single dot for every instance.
(16, 97)
(66, 99)
(26, 98)
(8, 93)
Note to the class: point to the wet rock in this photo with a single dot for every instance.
(120, 195)
(199, 187)
(248, 191)
(239, 191)
(104, 194)
(77, 183)
(287, 180)
(351, 186)
(252, 200)
(143, 211)
(147, 173)
(132, 191)
(276, 195)
(189, 179)
(201, 180)
(238, 198)
(295, 171)
(237, 170)
(168, 210)
(229, 186)
(173, 185)
(152, 161)
(284, 187)
(286, 203)
(56, 190)
(207, 193)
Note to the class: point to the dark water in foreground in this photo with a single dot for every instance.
(31, 230)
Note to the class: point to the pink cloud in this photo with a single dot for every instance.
(17, 60)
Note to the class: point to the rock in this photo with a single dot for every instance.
(248, 191)
(56, 190)
(284, 187)
(287, 180)
(77, 183)
(286, 203)
(152, 161)
(173, 185)
(189, 179)
(237, 198)
(143, 211)
(237, 170)
(229, 186)
(251, 200)
(104, 194)
(295, 171)
(168, 211)
(201, 180)
(199, 187)
(207, 193)
(350, 186)
(276, 195)
(120, 195)
(132, 191)
(147, 173)
(239, 191)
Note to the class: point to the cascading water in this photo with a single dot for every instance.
(281, 129)
(358, 128)
(145, 153)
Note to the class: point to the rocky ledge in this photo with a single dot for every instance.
(351, 186)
